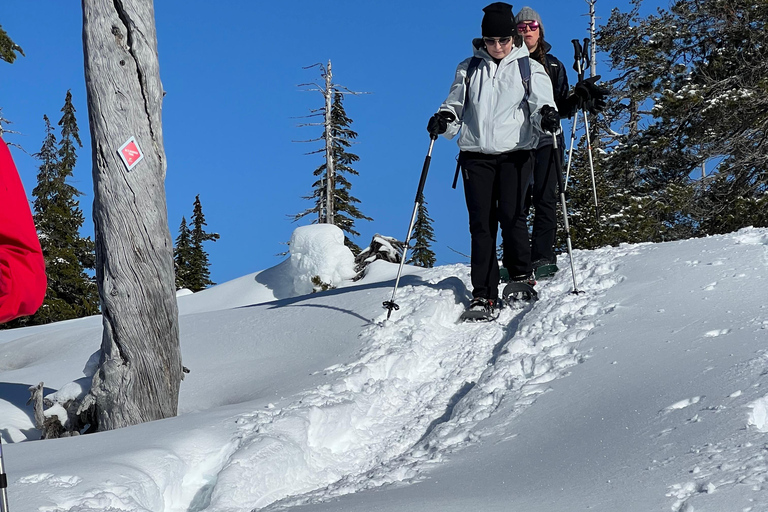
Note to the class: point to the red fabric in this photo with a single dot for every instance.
(22, 269)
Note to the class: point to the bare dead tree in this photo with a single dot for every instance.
(327, 89)
(592, 38)
(140, 367)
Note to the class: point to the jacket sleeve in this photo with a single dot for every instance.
(560, 86)
(541, 93)
(22, 269)
(455, 101)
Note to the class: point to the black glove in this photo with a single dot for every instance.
(587, 90)
(550, 119)
(571, 106)
(438, 123)
(595, 105)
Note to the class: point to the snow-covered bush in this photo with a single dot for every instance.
(318, 255)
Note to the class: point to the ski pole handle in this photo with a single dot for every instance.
(576, 55)
(424, 171)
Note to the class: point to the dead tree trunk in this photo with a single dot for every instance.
(592, 39)
(140, 368)
(330, 161)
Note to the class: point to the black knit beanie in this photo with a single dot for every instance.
(499, 20)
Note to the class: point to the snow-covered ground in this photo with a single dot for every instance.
(647, 392)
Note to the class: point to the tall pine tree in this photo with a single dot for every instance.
(346, 204)
(58, 218)
(338, 137)
(199, 274)
(181, 255)
(423, 236)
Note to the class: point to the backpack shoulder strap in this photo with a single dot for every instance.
(524, 63)
(474, 62)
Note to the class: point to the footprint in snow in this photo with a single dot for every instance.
(717, 332)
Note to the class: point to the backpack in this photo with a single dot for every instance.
(523, 63)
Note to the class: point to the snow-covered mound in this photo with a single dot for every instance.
(317, 253)
(644, 392)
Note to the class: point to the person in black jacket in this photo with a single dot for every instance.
(545, 192)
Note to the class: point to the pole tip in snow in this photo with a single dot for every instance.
(390, 306)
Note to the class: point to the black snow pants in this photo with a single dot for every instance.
(495, 188)
(544, 197)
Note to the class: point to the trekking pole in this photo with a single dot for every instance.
(560, 184)
(586, 56)
(3, 482)
(390, 304)
(570, 150)
(581, 60)
(591, 165)
(577, 68)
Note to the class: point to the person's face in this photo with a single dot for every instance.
(498, 47)
(529, 30)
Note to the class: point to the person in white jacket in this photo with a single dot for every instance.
(499, 121)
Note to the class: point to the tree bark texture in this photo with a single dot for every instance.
(140, 368)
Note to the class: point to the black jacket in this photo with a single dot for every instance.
(559, 78)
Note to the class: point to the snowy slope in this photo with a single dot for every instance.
(642, 393)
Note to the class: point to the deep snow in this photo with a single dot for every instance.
(643, 393)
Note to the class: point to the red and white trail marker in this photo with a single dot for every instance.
(130, 153)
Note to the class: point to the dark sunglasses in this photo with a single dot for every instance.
(491, 41)
(532, 26)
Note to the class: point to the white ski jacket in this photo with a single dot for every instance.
(494, 122)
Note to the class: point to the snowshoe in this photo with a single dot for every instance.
(520, 288)
(545, 271)
(517, 291)
(481, 310)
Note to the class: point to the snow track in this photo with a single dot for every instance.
(420, 388)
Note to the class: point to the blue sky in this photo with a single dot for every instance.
(233, 106)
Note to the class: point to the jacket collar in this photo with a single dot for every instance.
(479, 50)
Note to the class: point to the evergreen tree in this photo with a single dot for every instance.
(423, 236)
(685, 103)
(54, 307)
(199, 274)
(181, 255)
(85, 248)
(58, 218)
(340, 136)
(8, 49)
